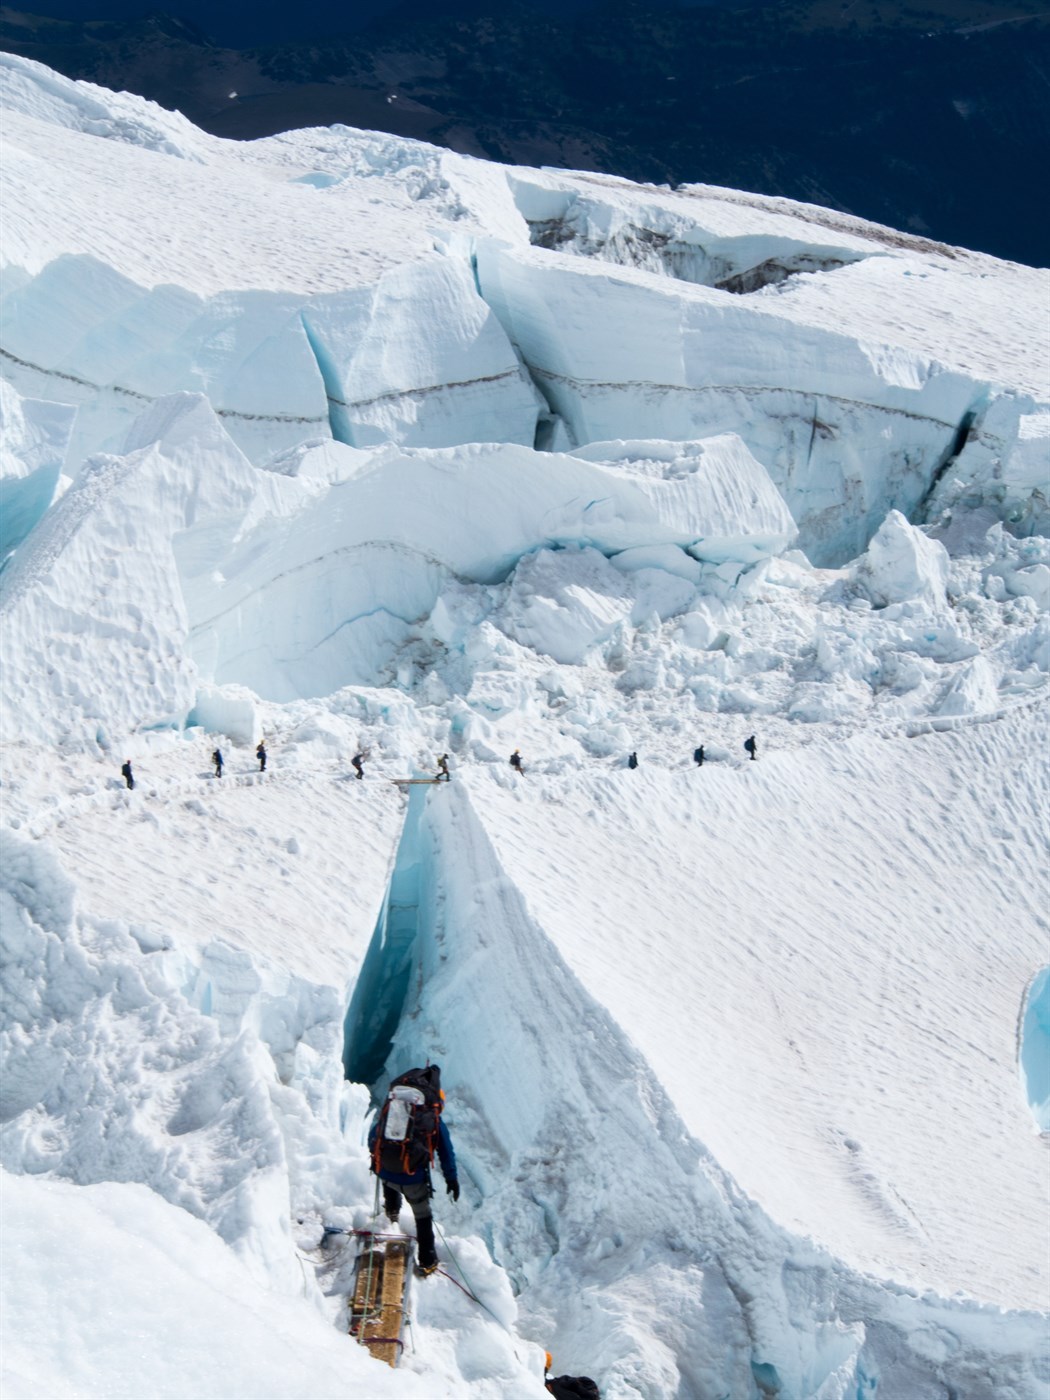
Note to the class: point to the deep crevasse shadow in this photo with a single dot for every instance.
(380, 994)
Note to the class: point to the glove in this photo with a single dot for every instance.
(452, 1187)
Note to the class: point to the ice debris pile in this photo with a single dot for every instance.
(372, 446)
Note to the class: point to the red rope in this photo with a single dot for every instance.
(467, 1291)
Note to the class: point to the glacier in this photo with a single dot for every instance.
(356, 445)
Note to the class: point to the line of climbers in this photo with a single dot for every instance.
(443, 774)
(750, 747)
(128, 773)
(406, 1134)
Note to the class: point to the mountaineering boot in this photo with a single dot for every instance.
(428, 1260)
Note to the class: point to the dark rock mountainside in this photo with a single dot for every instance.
(929, 115)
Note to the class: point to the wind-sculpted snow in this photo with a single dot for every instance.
(34, 91)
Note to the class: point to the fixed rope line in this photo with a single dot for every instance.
(469, 1289)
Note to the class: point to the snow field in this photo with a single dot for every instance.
(848, 936)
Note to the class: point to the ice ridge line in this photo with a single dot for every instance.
(146, 398)
(396, 545)
(395, 394)
(749, 390)
(881, 234)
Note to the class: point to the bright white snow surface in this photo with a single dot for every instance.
(353, 444)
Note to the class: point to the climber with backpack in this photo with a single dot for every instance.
(403, 1139)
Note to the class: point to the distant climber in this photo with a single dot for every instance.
(570, 1387)
(632, 760)
(516, 763)
(357, 763)
(751, 746)
(216, 758)
(407, 1131)
(127, 774)
(698, 756)
(443, 768)
(260, 754)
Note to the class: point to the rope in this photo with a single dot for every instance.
(395, 1341)
(469, 1289)
(473, 1296)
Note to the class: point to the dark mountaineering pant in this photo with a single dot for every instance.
(418, 1197)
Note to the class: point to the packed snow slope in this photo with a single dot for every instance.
(363, 447)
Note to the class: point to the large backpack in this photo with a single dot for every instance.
(573, 1388)
(407, 1128)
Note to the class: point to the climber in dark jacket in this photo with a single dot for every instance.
(127, 774)
(698, 756)
(417, 1190)
(216, 758)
